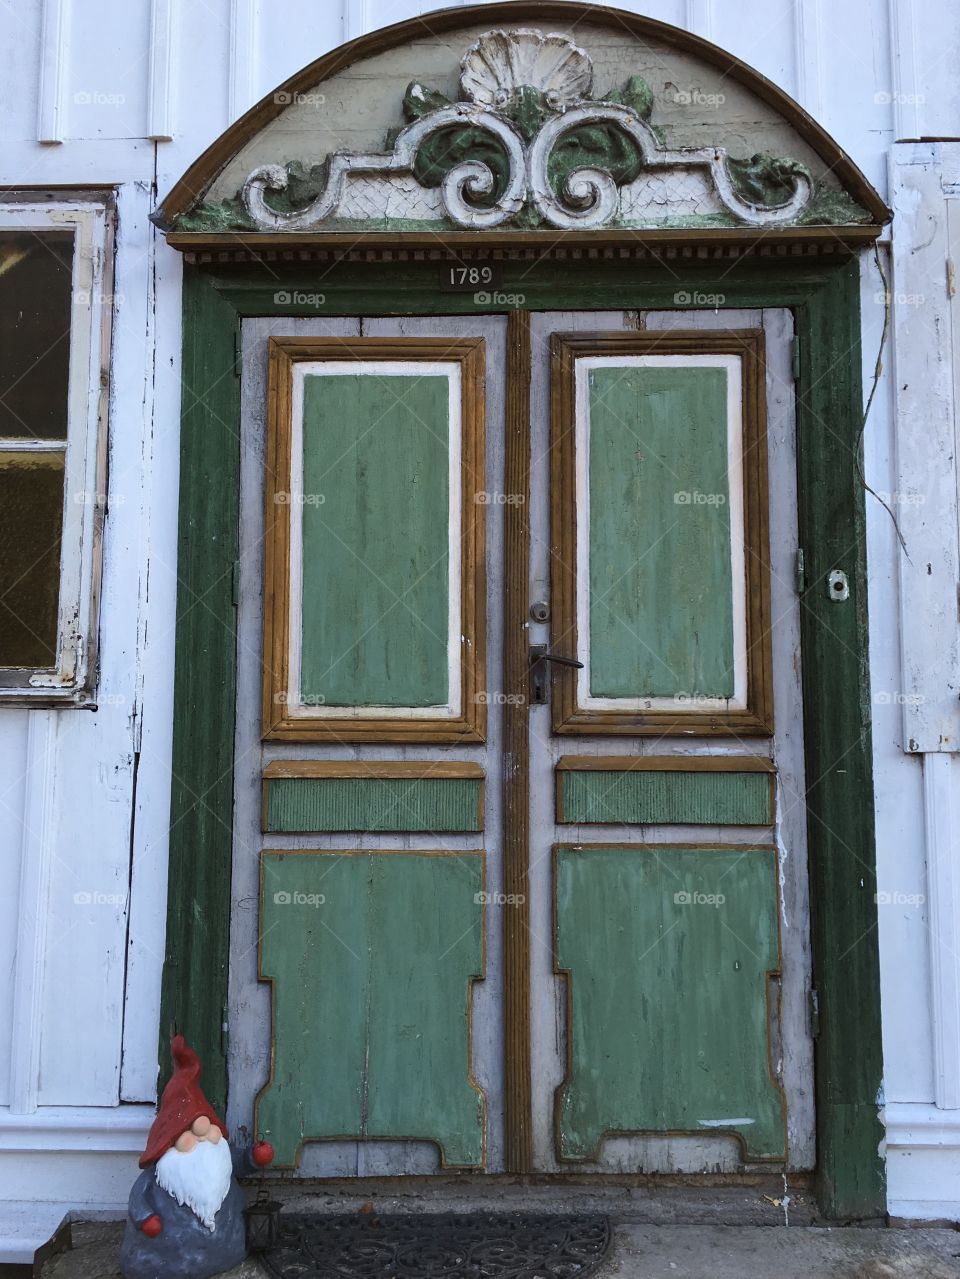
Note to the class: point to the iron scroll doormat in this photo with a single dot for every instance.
(481, 1246)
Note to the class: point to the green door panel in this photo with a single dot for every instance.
(665, 798)
(375, 540)
(661, 608)
(667, 953)
(374, 803)
(371, 957)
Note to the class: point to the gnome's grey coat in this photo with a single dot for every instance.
(185, 1248)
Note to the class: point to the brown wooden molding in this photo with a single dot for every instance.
(379, 246)
(518, 1097)
(665, 764)
(375, 768)
(568, 715)
(201, 174)
(470, 725)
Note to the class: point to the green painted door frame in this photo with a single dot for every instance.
(824, 294)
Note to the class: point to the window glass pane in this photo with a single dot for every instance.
(31, 520)
(35, 302)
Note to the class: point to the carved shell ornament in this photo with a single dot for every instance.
(527, 142)
(501, 63)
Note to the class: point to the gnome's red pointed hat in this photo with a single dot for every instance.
(182, 1103)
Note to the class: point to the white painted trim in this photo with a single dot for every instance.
(53, 64)
(52, 1129)
(450, 370)
(732, 365)
(808, 54)
(926, 487)
(243, 56)
(37, 851)
(698, 17)
(12, 445)
(943, 888)
(922, 1151)
(355, 19)
(920, 1125)
(907, 99)
(161, 96)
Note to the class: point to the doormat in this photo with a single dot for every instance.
(474, 1246)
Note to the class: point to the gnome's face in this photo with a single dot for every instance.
(196, 1170)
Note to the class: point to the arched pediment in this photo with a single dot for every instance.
(524, 118)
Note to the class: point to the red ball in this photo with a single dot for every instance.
(152, 1226)
(262, 1153)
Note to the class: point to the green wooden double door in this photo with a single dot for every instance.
(519, 875)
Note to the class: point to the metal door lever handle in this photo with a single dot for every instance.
(538, 653)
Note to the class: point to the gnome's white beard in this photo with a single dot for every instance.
(199, 1178)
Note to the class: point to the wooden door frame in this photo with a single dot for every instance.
(823, 291)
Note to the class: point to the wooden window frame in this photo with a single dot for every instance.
(70, 681)
(569, 717)
(278, 724)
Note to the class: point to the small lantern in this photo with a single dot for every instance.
(263, 1222)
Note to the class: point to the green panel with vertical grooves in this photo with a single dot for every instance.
(668, 952)
(661, 602)
(665, 798)
(375, 540)
(371, 957)
(374, 803)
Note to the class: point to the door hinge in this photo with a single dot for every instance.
(235, 584)
(237, 353)
(814, 1014)
(795, 359)
(224, 1033)
(951, 278)
(800, 572)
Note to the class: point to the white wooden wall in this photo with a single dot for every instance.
(129, 92)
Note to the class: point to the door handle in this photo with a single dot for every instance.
(538, 653)
(538, 682)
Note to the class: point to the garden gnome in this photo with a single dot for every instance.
(185, 1216)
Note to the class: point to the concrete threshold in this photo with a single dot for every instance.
(660, 1231)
